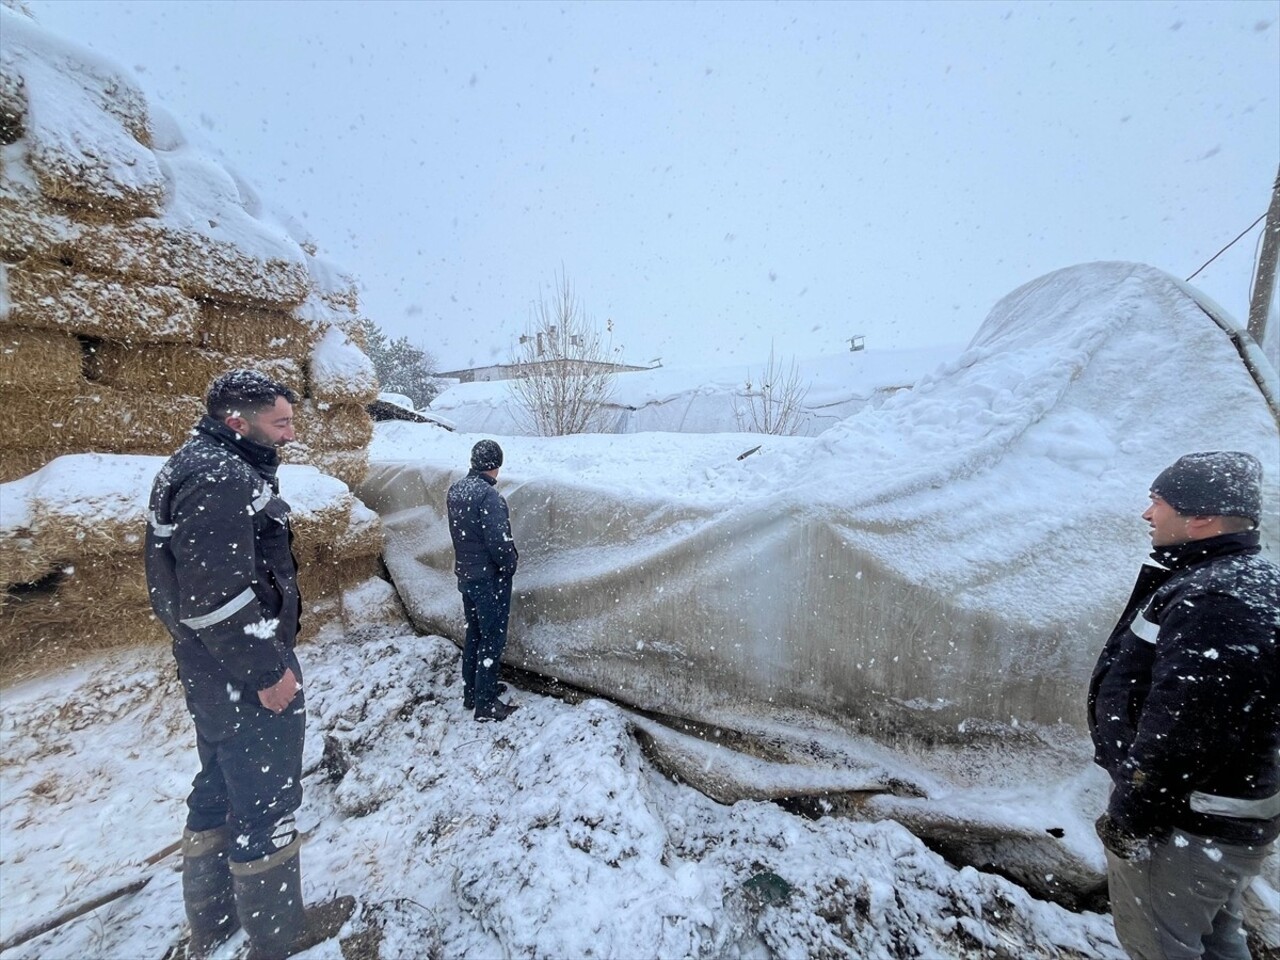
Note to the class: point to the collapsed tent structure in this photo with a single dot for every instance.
(930, 579)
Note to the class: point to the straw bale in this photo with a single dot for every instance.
(362, 538)
(41, 632)
(100, 420)
(297, 454)
(88, 179)
(72, 539)
(105, 165)
(145, 251)
(341, 295)
(20, 560)
(318, 580)
(128, 104)
(349, 466)
(28, 221)
(329, 427)
(39, 361)
(249, 331)
(356, 570)
(321, 595)
(322, 617)
(174, 368)
(112, 578)
(18, 463)
(47, 297)
(314, 528)
(339, 371)
(156, 252)
(337, 538)
(354, 328)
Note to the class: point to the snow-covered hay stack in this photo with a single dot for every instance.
(134, 268)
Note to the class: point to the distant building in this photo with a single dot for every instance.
(509, 371)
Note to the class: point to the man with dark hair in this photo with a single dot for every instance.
(485, 561)
(1184, 708)
(223, 581)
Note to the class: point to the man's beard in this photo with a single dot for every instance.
(257, 436)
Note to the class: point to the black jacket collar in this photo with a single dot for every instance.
(263, 458)
(473, 472)
(1181, 555)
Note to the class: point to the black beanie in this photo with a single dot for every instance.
(1220, 483)
(486, 455)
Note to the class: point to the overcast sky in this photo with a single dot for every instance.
(715, 177)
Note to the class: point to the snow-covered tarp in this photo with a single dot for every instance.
(939, 569)
(956, 553)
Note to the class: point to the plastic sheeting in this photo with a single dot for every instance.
(904, 610)
(945, 563)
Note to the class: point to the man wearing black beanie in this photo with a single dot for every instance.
(485, 561)
(1184, 709)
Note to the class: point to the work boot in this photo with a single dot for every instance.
(269, 901)
(469, 701)
(499, 711)
(206, 890)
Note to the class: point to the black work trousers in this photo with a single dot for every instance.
(487, 605)
(250, 769)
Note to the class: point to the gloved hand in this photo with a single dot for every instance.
(1121, 842)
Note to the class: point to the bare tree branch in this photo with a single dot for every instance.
(565, 366)
(774, 402)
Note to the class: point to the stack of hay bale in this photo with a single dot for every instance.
(133, 270)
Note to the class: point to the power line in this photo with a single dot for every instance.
(1226, 248)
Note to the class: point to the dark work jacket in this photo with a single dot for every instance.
(481, 530)
(1184, 703)
(220, 566)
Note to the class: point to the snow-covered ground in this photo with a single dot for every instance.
(551, 835)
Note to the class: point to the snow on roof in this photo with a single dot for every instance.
(696, 398)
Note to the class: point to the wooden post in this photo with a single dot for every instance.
(1264, 281)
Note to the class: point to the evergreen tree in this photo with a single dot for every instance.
(402, 367)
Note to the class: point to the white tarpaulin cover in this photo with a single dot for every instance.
(938, 570)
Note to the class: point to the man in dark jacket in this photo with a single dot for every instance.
(485, 561)
(223, 580)
(1184, 708)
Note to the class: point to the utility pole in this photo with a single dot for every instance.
(1264, 281)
